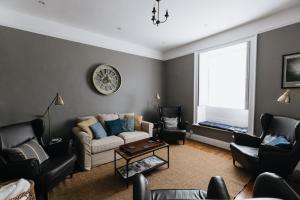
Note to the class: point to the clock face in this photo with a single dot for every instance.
(106, 79)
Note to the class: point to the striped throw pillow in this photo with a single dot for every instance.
(28, 150)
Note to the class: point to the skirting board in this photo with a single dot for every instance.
(218, 143)
(210, 141)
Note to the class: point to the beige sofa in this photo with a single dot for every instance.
(94, 152)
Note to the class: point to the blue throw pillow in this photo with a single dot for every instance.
(98, 131)
(280, 141)
(124, 124)
(127, 124)
(114, 127)
(130, 124)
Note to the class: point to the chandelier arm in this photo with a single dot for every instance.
(164, 20)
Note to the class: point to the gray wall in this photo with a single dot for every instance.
(271, 46)
(34, 67)
(179, 84)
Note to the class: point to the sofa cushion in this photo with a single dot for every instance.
(114, 127)
(138, 122)
(106, 117)
(133, 136)
(98, 131)
(123, 115)
(106, 143)
(85, 126)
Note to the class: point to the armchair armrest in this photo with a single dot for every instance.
(29, 168)
(246, 139)
(60, 148)
(148, 127)
(83, 144)
(217, 189)
(278, 160)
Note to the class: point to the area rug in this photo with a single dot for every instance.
(189, 168)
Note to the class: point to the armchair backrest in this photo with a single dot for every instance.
(273, 186)
(280, 126)
(171, 112)
(16, 134)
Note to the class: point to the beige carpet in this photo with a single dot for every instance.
(189, 168)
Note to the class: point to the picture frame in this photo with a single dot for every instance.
(291, 70)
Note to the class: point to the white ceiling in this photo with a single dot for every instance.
(189, 20)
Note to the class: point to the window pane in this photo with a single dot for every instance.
(223, 77)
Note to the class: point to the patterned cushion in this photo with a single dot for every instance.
(170, 122)
(127, 124)
(28, 150)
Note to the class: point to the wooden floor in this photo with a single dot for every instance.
(225, 154)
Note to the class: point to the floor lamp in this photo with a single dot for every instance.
(57, 101)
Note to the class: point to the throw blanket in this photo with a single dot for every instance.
(14, 189)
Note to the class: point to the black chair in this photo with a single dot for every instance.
(216, 190)
(49, 173)
(267, 186)
(252, 154)
(172, 134)
(270, 185)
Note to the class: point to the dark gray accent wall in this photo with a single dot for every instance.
(271, 46)
(34, 67)
(179, 84)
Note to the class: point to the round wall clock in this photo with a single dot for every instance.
(106, 79)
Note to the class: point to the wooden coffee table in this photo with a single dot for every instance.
(136, 149)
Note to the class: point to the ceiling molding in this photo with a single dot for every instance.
(42, 26)
(278, 20)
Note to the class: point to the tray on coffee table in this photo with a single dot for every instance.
(141, 146)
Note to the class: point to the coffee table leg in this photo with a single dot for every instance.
(127, 173)
(168, 156)
(115, 162)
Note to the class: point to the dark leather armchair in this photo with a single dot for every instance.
(267, 186)
(270, 185)
(172, 134)
(252, 154)
(216, 190)
(46, 175)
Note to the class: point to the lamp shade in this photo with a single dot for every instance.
(285, 97)
(59, 100)
(157, 97)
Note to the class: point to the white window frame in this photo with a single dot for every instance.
(250, 99)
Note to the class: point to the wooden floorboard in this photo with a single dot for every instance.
(225, 154)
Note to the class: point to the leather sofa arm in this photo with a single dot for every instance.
(217, 189)
(272, 186)
(148, 127)
(246, 139)
(29, 169)
(83, 146)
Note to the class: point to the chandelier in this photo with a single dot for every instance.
(156, 17)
